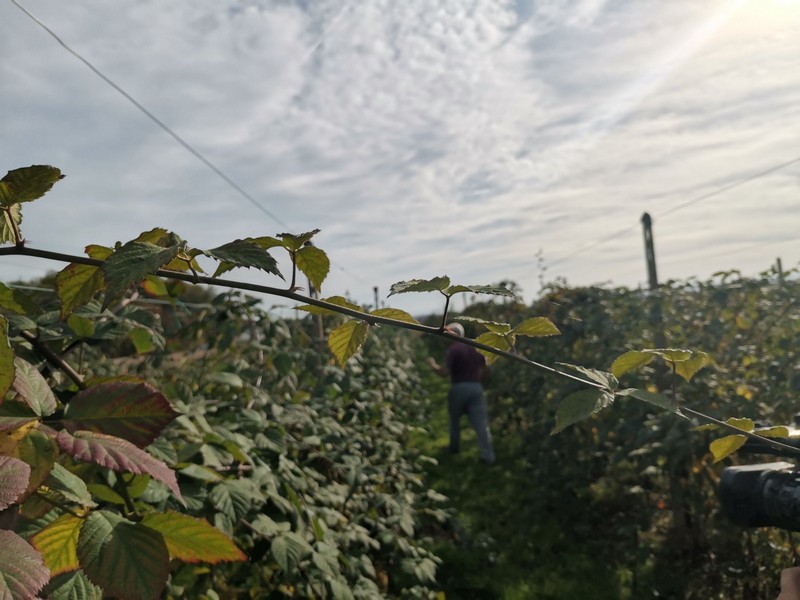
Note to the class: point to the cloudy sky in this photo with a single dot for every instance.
(484, 139)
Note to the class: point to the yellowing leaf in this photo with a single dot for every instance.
(692, 365)
(726, 446)
(629, 361)
(394, 313)
(193, 540)
(58, 543)
(746, 424)
(347, 339)
(493, 340)
(536, 327)
(314, 263)
(7, 369)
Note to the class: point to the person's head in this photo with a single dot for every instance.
(456, 328)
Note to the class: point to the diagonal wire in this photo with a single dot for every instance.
(695, 200)
(196, 153)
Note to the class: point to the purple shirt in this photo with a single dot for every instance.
(464, 363)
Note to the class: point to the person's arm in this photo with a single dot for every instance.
(790, 584)
(440, 370)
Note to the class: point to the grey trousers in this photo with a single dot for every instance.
(467, 399)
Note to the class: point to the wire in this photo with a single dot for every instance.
(695, 200)
(196, 153)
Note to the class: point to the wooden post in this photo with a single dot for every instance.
(375, 291)
(649, 251)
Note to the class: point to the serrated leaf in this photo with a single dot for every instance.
(27, 184)
(14, 476)
(660, 400)
(726, 446)
(77, 285)
(244, 253)
(116, 454)
(131, 410)
(394, 313)
(22, 570)
(289, 550)
(536, 327)
(128, 560)
(193, 540)
(630, 360)
(17, 301)
(81, 326)
(72, 586)
(293, 242)
(68, 486)
(38, 450)
(605, 379)
(58, 543)
(579, 406)
(132, 262)
(7, 369)
(437, 284)
(32, 389)
(231, 499)
(493, 340)
(347, 339)
(9, 224)
(314, 264)
(493, 290)
(692, 365)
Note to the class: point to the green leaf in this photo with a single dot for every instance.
(231, 498)
(131, 410)
(579, 406)
(692, 365)
(314, 263)
(81, 326)
(116, 454)
(605, 379)
(293, 242)
(7, 368)
(39, 451)
(32, 389)
(12, 219)
(128, 560)
(72, 586)
(77, 285)
(659, 400)
(726, 446)
(494, 290)
(193, 540)
(536, 327)
(68, 486)
(629, 361)
(14, 475)
(132, 262)
(17, 301)
(437, 284)
(289, 550)
(347, 339)
(493, 340)
(394, 313)
(27, 184)
(244, 253)
(22, 570)
(58, 543)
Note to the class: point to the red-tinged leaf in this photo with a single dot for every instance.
(116, 454)
(14, 475)
(128, 560)
(32, 389)
(7, 369)
(134, 411)
(58, 544)
(193, 540)
(77, 285)
(22, 570)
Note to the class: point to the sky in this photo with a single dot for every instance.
(486, 140)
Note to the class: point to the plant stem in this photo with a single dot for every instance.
(54, 358)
